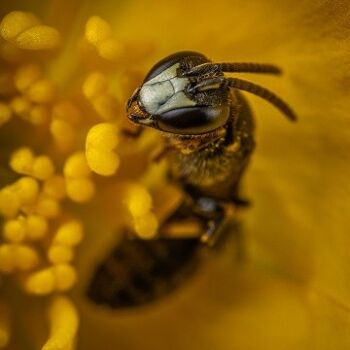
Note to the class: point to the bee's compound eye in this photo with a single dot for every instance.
(193, 120)
(173, 59)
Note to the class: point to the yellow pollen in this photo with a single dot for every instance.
(97, 30)
(63, 133)
(24, 30)
(146, 226)
(106, 106)
(22, 161)
(14, 230)
(13, 197)
(65, 276)
(66, 110)
(95, 89)
(41, 282)
(50, 168)
(98, 33)
(7, 258)
(26, 258)
(110, 49)
(21, 106)
(137, 199)
(55, 187)
(39, 115)
(101, 141)
(42, 91)
(27, 190)
(27, 75)
(40, 37)
(47, 207)
(36, 227)
(76, 166)
(80, 190)
(59, 254)
(9, 202)
(15, 23)
(64, 321)
(5, 113)
(43, 168)
(69, 234)
(95, 84)
(17, 256)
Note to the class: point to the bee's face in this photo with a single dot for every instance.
(165, 101)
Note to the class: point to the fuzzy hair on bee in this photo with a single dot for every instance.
(208, 128)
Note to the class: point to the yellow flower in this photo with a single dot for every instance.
(59, 145)
(69, 181)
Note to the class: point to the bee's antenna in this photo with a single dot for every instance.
(263, 93)
(239, 67)
(243, 67)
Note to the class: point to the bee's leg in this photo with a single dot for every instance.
(217, 218)
(213, 214)
(215, 228)
(240, 202)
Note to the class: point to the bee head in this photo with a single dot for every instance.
(167, 101)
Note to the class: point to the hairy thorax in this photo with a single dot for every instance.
(213, 163)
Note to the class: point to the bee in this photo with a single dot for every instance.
(209, 138)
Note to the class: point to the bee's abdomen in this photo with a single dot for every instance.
(138, 272)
